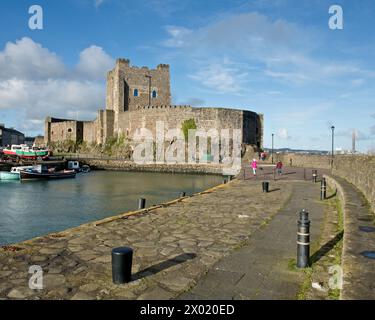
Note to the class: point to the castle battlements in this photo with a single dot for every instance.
(139, 97)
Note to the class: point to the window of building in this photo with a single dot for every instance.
(136, 93)
(154, 94)
(69, 130)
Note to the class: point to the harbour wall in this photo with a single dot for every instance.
(163, 168)
(356, 169)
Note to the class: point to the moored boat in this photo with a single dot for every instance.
(14, 173)
(6, 175)
(25, 152)
(41, 172)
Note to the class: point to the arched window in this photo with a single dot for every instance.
(136, 93)
(154, 94)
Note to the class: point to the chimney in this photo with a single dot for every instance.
(353, 141)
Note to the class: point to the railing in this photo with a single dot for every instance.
(87, 156)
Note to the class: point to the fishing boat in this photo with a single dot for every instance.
(23, 151)
(74, 165)
(6, 175)
(14, 173)
(41, 172)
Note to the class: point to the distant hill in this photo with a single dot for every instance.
(288, 150)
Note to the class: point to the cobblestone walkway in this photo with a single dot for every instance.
(261, 270)
(174, 245)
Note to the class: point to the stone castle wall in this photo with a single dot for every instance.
(126, 111)
(357, 169)
(66, 130)
(205, 118)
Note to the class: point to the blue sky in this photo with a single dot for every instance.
(277, 57)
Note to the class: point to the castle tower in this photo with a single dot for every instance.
(129, 87)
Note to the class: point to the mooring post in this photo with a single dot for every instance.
(141, 203)
(265, 186)
(224, 181)
(122, 260)
(303, 240)
(182, 194)
(314, 175)
(323, 189)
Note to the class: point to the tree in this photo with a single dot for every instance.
(188, 125)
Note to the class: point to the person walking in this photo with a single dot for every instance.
(279, 168)
(254, 165)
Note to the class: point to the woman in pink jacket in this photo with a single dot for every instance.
(254, 165)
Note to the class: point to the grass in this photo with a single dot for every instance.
(334, 205)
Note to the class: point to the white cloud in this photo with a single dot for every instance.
(283, 50)
(221, 77)
(98, 3)
(55, 97)
(26, 59)
(283, 134)
(35, 82)
(177, 36)
(94, 63)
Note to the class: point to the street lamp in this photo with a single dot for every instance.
(149, 88)
(272, 147)
(333, 140)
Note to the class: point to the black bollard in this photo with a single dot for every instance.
(265, 186)
(303, 240)
(224, 181)
(323, 189)
(141, 203)
(182, 194)
(122, 259)
(314, 175)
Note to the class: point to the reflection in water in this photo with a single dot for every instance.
(34, 208)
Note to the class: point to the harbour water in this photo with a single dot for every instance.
(36, 208)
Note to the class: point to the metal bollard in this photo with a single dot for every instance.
(323, 189)
(265, 186)
(314, 175)
(303, 240)
(224, 181)
(122, 259)
(141, 203)
(182, 194)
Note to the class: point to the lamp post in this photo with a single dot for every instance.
(272, 148)
(333, 140)
(149, 88)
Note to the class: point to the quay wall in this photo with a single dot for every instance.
(165, 168)
(356, 169)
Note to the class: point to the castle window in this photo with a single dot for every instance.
(154, 94)
(69, 130)
(136, 93)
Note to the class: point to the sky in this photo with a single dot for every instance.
(278, 57)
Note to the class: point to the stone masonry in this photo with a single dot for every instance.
(138, 98)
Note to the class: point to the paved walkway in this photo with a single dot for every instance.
(260, 269)
(359, 245)
(267, 171)
(174, 245)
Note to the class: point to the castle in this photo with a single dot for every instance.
(138, 98)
